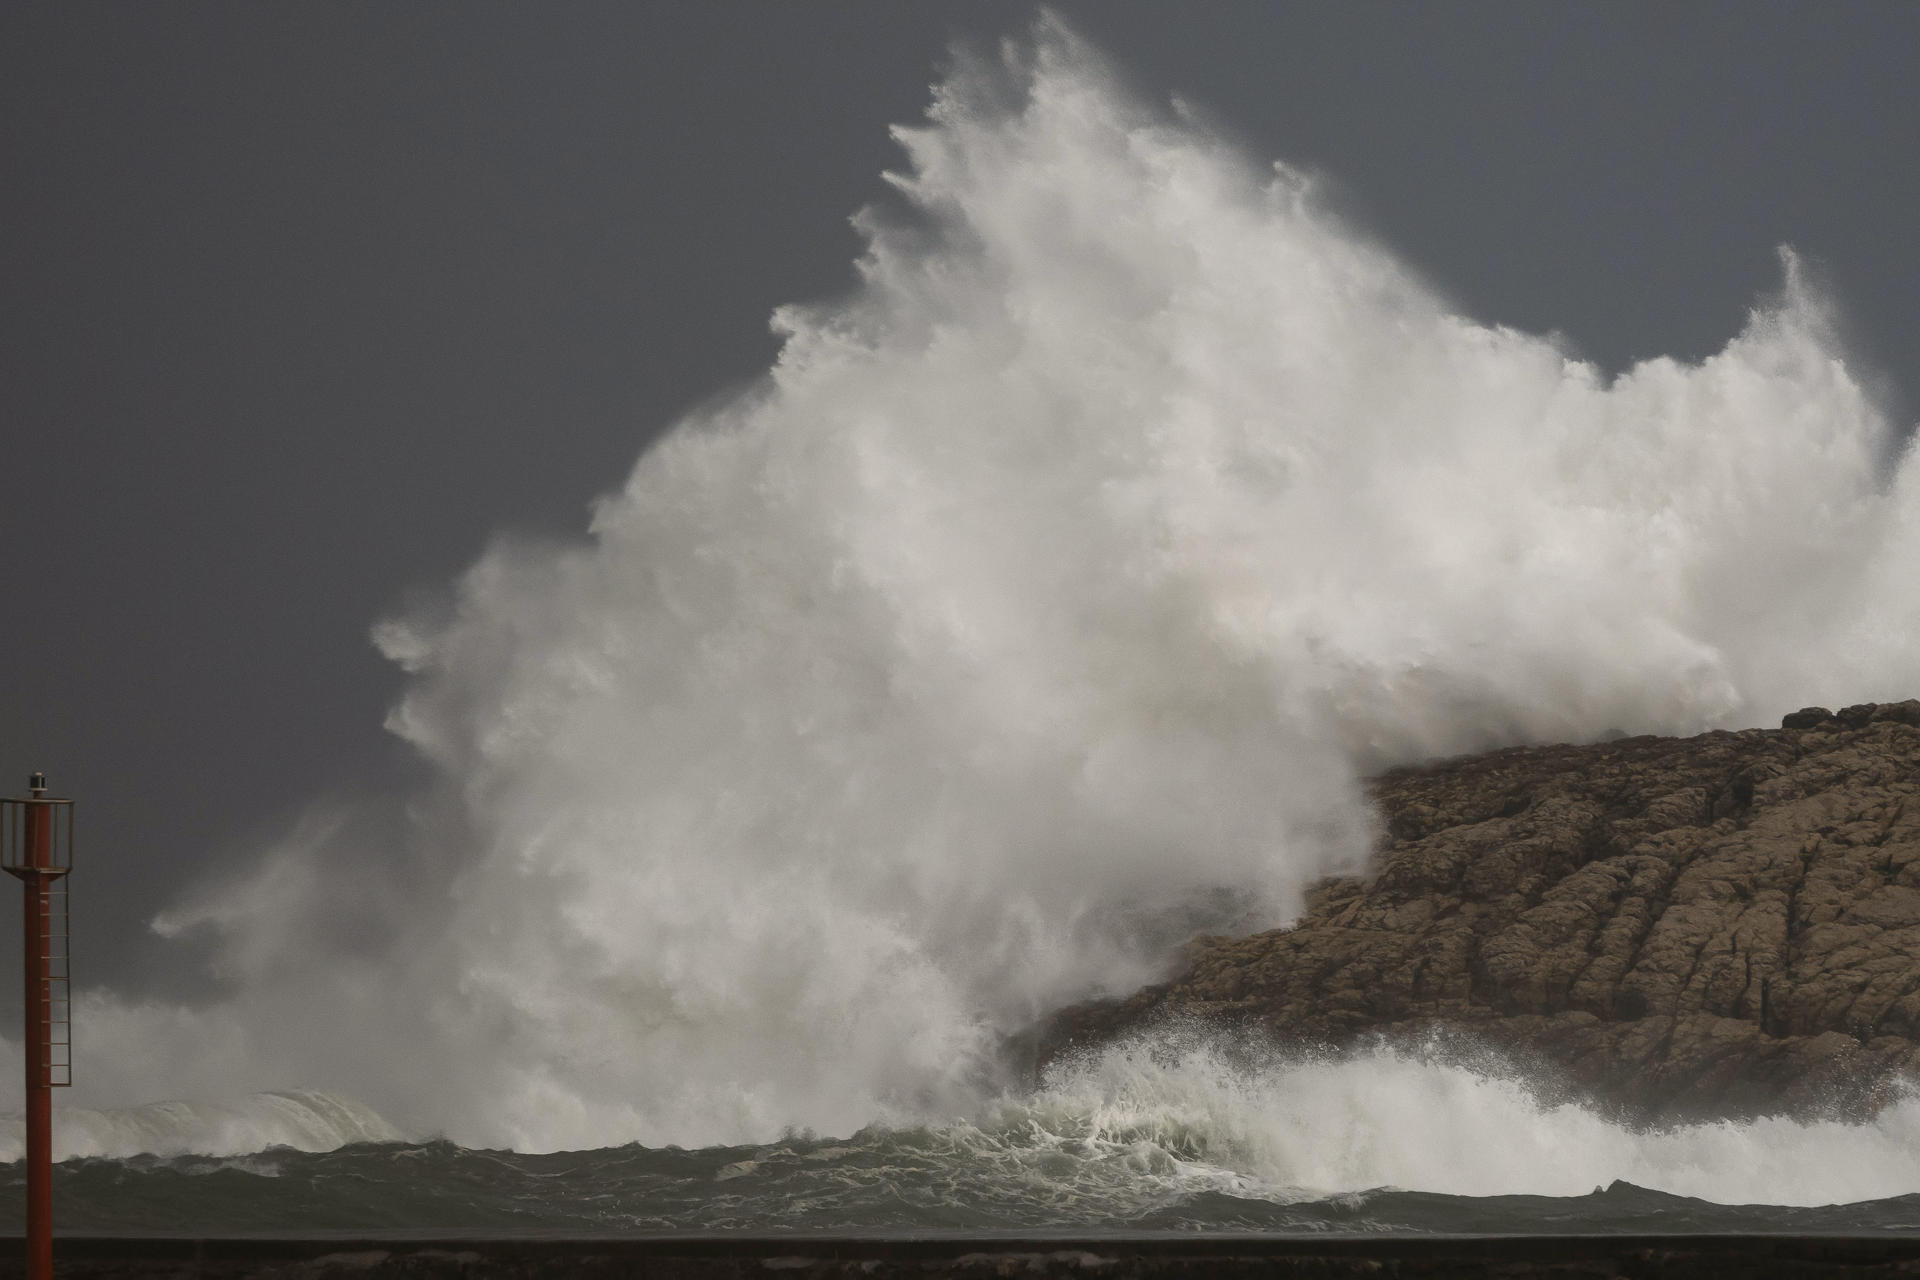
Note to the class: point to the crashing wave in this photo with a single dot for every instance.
(303, 1119)
(1039, 609)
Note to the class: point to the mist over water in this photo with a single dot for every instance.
(299, 1119)
(1042, 607)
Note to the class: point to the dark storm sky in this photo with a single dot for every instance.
(302, 302)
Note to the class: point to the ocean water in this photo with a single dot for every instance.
(1043, 605)
(1168, 1132)
(921, 1181)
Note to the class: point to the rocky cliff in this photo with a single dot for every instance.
(1727, 924)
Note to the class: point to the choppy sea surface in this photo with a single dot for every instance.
(921, 1180)
(1145, 1136)
(1163, 1132)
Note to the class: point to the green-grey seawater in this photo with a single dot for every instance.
(919, 1180)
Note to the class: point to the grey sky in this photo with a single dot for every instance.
(303, 302)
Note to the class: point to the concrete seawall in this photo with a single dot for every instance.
(1113, 1257)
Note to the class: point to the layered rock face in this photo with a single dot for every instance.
(1721, 925)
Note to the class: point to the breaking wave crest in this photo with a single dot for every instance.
(1296, 1128)
(302, 1119)
(1040, 608)
(1166, 1130)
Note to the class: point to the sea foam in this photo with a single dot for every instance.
(1271, 1124)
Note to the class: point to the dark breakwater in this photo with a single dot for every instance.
(807, 1257)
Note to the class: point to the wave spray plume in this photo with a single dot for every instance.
(1041, 607)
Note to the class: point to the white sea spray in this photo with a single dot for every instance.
(1298, 1127)
(1042, 607)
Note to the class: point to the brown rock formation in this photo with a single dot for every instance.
(1727, 924)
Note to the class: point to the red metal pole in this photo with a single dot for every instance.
(38, 1018)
